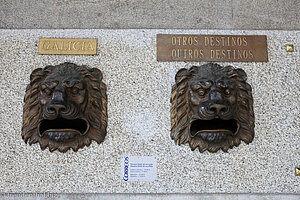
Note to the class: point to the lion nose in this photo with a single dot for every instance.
(57, 97)
(218, 108)
(56, 108)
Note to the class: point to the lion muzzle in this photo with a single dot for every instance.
(214, 122)
(62, 122)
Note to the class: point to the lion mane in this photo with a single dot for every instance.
(181, 112)
(95, 110)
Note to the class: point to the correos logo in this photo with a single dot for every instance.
(126, 165)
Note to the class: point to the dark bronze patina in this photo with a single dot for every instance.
(212, 108)
(65, 107)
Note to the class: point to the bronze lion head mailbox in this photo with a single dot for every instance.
(212, 108)
(65, 107)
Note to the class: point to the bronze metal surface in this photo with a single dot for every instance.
(212, 108)
(65, 107)
(68, 46)
(219, 48)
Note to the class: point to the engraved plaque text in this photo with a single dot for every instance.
(68, 46)
(217, 48)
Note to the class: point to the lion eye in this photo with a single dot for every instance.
(47, 91)
(227, 91)
(201, 92)
(196, 87)
(75, 90)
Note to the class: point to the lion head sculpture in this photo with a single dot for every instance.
(65, 107)
(212, 108)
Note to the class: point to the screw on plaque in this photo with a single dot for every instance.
(297, 171)
(290, 48)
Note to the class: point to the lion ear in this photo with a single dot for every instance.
(179, 74)
(96, 73)
(36, 74)
(242, 74)
(229, 68)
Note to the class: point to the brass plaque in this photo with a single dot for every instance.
(68, 46)
(217, 48)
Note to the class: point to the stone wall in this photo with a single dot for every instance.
(139, 89)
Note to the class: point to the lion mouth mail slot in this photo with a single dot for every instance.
(65, 107)
(212, 108)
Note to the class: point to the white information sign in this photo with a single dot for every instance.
(138, 168)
